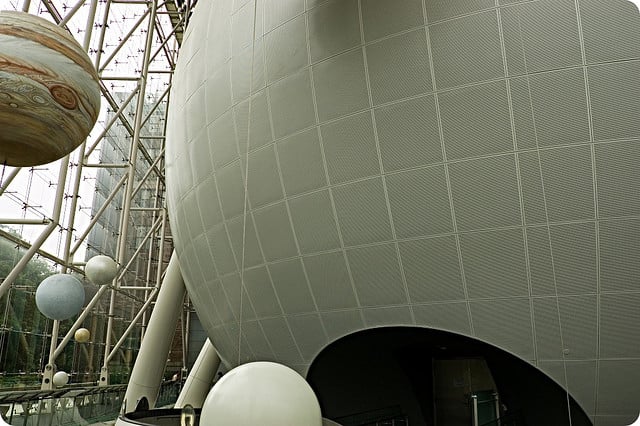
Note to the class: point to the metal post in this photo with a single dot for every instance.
(147, 372)
(47, 378)
(200, 378)
(474, 408)
(133, 154)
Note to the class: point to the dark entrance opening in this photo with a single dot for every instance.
(419, 376)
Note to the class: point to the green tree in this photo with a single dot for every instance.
(23, 326)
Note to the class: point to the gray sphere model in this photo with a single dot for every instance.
(468, 166)
(60, 296)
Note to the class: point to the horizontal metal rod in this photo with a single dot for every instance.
(20, 242)
(21, 221)
(107, 165)
(145, 209)
(119, 78)
(135, 287)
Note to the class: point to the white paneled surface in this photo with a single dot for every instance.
(469, 166)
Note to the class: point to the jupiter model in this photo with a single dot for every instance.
(429, 209)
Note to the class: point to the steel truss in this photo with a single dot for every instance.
(133, 44)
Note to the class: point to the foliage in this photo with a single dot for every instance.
(23, 327)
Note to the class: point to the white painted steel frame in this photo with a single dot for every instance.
(156, 237)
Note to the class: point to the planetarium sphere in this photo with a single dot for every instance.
(49, 92)
(334, 166)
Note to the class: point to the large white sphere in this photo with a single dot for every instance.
(60, 379)
(261, 393)
(101, 269)
(49, 92)
(60, 296)
(82, 335)
(435, 167)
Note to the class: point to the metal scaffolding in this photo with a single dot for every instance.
(109, 193)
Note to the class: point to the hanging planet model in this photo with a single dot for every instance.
(82, 335)
(49, 92)
(60, 296)
(60, 379)
(101, 269)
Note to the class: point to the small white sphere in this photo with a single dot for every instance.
(60, 296)
(60, 379)
(101, 269)
(82, 335)
(261, 393)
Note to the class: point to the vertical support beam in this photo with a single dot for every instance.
(146, 375)
(133, 155)
(474, 409)
(50, 369)
(200, 379)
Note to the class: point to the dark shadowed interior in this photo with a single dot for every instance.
(421, 376)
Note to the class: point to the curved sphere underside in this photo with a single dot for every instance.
(451, 165)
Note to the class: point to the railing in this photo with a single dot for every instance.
(71, 405)
(485, 408)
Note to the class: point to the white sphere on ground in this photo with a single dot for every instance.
(101, 269)
(60, 296)
(264, 393)
(82, 335)
(60, 379)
